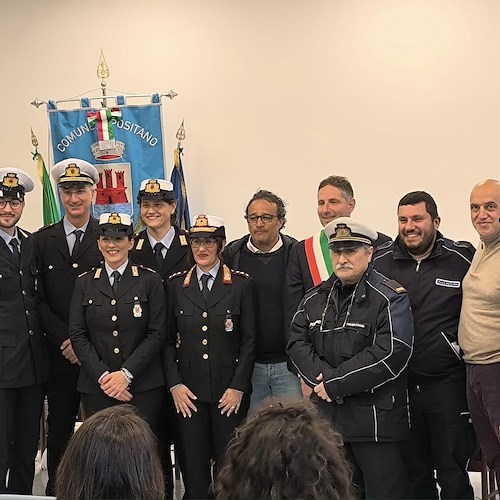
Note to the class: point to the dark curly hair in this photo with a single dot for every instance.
(285, 451)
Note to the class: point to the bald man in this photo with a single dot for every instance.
(480, 322)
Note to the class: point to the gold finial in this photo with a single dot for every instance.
(181, 132)
(102, 68)
(34, 140)
(37, 103)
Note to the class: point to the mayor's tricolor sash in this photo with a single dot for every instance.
(318, 257)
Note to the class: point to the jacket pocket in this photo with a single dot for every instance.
(92, 305)
(354, 338)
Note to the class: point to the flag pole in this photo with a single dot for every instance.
(103, 74)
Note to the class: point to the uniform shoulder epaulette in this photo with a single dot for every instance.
(395, 286)
(44, 228)
(146, 268)
(86, 272)
(24, 232)
(176, 275)
(385, 245)
(240, 273)
(463, 244)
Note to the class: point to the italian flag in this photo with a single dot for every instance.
(318, 257)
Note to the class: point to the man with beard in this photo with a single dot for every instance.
(480, 320)
(65, 250)
(432, 267)
(23, 350)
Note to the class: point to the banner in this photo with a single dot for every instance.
(124, 143)
(177, 180)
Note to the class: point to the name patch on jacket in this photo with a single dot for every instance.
(355, 325)
(447, 283)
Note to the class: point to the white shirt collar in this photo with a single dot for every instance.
(166, 240)
(254, 249)
(121, 269)
(7, 237)
(69, 228)
(213, 272)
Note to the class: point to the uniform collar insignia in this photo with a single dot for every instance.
(187, 279)
(227, 278)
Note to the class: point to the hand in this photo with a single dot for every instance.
(68, 353)
(306, 390)
(320, 389)
(115, 386)
(183, 400)
(230, 401)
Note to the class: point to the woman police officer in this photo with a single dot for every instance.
(117, 327)
(209, 351)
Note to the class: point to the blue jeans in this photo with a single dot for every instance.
(274, 380)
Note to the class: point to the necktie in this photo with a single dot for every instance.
(158, 253)
(78, 234)
(15, 249)
(116, 279)
(204, 282)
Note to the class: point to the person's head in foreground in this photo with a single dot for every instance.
(285, 451)
(113, 455)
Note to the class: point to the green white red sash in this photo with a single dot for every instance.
(318, 257)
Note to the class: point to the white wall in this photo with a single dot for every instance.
(398, 95)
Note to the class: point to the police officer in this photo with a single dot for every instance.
(64, 250)
(351, 339)
(162, 246)
(432, 267)
(117, 327)
(209, 351)
(23, 349)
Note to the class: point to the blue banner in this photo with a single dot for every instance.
(124, 143)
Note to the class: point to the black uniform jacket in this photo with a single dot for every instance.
(174, 261)
(58, 271)
(361, 345)
(217, 339)
(127, 330)
(435, 289)
(299, 279)
(23, 346)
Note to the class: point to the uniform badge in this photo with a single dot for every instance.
(137, 311)
(98, 272)
(135, 271)
(228, 323)
(139, 244)
(227, 279)
(183, 240)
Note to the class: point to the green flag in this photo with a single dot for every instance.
(51, 211)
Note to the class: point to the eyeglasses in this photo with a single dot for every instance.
(206, 242)
(14, 204)
(266, 218)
